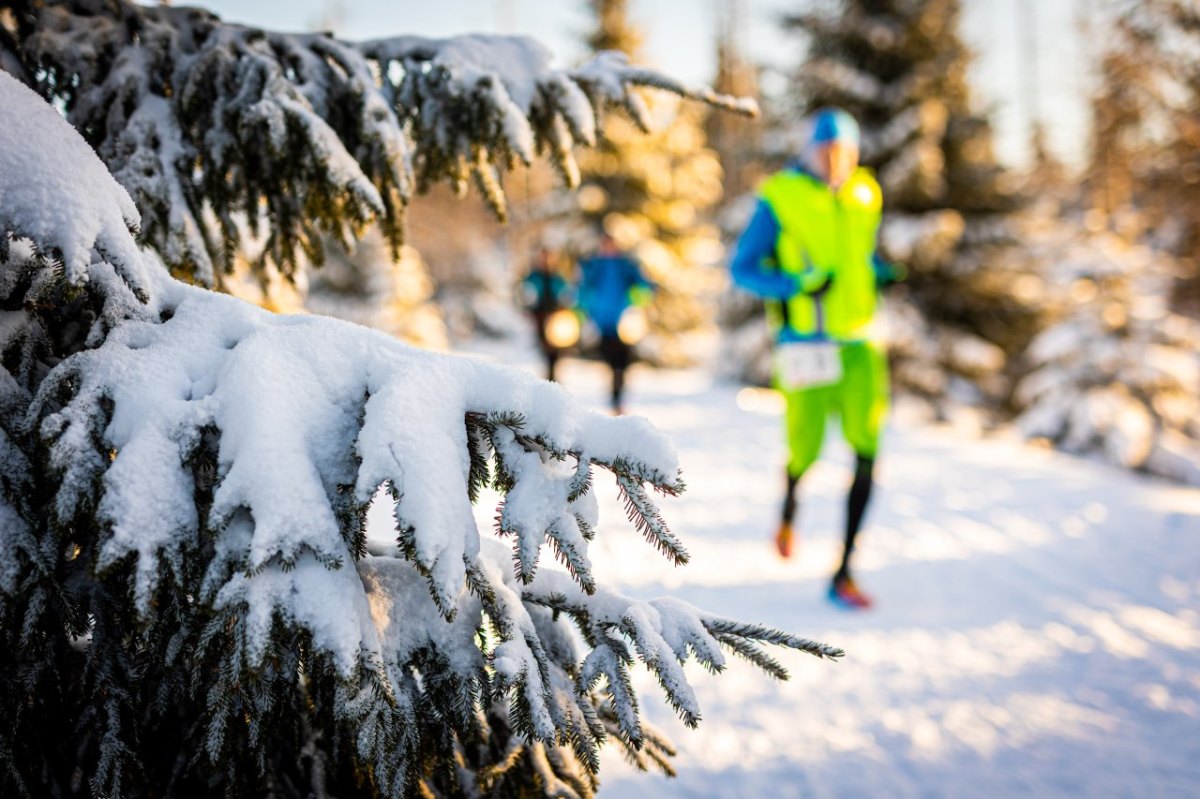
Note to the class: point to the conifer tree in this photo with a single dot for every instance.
(735, 139)
(901, 69)
(1113, 372)
(745, 341)
(652, 182)
(1144, 169)
(327, 134)
(1116, 371)
(188, 605)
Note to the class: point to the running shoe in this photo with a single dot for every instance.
(844, 593)
(783, 540)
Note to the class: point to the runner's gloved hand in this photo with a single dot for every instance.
(887, 273)
(814, 281)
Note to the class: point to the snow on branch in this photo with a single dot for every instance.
(202, 473)
(308, 418)
(219, 130)
(57, 196)
(664, 633)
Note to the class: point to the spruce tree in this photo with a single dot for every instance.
(188, 605)
(739, 143)
(1116, 371)
(1144, 170)
(652, 181)
(735, 139)
(901, 69)
(1113, 372)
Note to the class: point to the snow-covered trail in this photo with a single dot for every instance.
(1037, 630)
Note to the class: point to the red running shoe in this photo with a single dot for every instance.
(844, 593)
(783, 540)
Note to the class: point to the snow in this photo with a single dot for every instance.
(517, 62)
(12, 530)
(296, 399)
(65, 199)
(407, 620)
(1036, 632)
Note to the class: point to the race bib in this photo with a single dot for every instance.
(807, 364)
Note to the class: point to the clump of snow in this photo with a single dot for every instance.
(517, 63)
(306, 405)
(12, 529)
(56, 191)
(1113, 372)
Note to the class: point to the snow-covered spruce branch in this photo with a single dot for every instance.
(183, 563)
(663, 634)
(221, 131)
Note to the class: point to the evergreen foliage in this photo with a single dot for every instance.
(187, 602)
(1144, 169)
(1115, 370)
(216, 128)
(735, 139)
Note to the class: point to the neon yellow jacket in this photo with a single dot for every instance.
(824, 238)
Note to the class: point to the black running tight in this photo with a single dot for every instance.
(856, 507)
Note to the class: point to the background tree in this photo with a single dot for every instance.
(1115, 370)
(1144, 171)
(188, 604)
(652, 182)
(735, 139)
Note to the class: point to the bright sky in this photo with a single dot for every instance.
(680, 37)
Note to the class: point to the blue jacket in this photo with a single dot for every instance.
(604, 292)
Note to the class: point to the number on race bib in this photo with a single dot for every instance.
(806, 364)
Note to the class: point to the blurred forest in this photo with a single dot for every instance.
(1062, 299)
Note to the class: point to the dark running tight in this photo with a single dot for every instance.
(618, 388)
(856, 507)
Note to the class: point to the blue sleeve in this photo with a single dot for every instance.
(754, 247)
(886, 273)
(637, 277)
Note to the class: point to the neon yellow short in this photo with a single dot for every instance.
(860, 398)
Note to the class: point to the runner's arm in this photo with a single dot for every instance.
(755, 247)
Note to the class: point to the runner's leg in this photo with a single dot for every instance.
(805, 427)
(863, 402)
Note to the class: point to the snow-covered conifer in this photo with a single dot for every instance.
(1144, 166)
(216, 128)
(1114, 372)
(187, 602)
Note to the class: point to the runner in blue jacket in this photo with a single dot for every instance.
(611, 282)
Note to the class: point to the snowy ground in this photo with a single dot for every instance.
(1037, 630)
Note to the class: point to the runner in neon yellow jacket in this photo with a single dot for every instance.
(809, 251)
